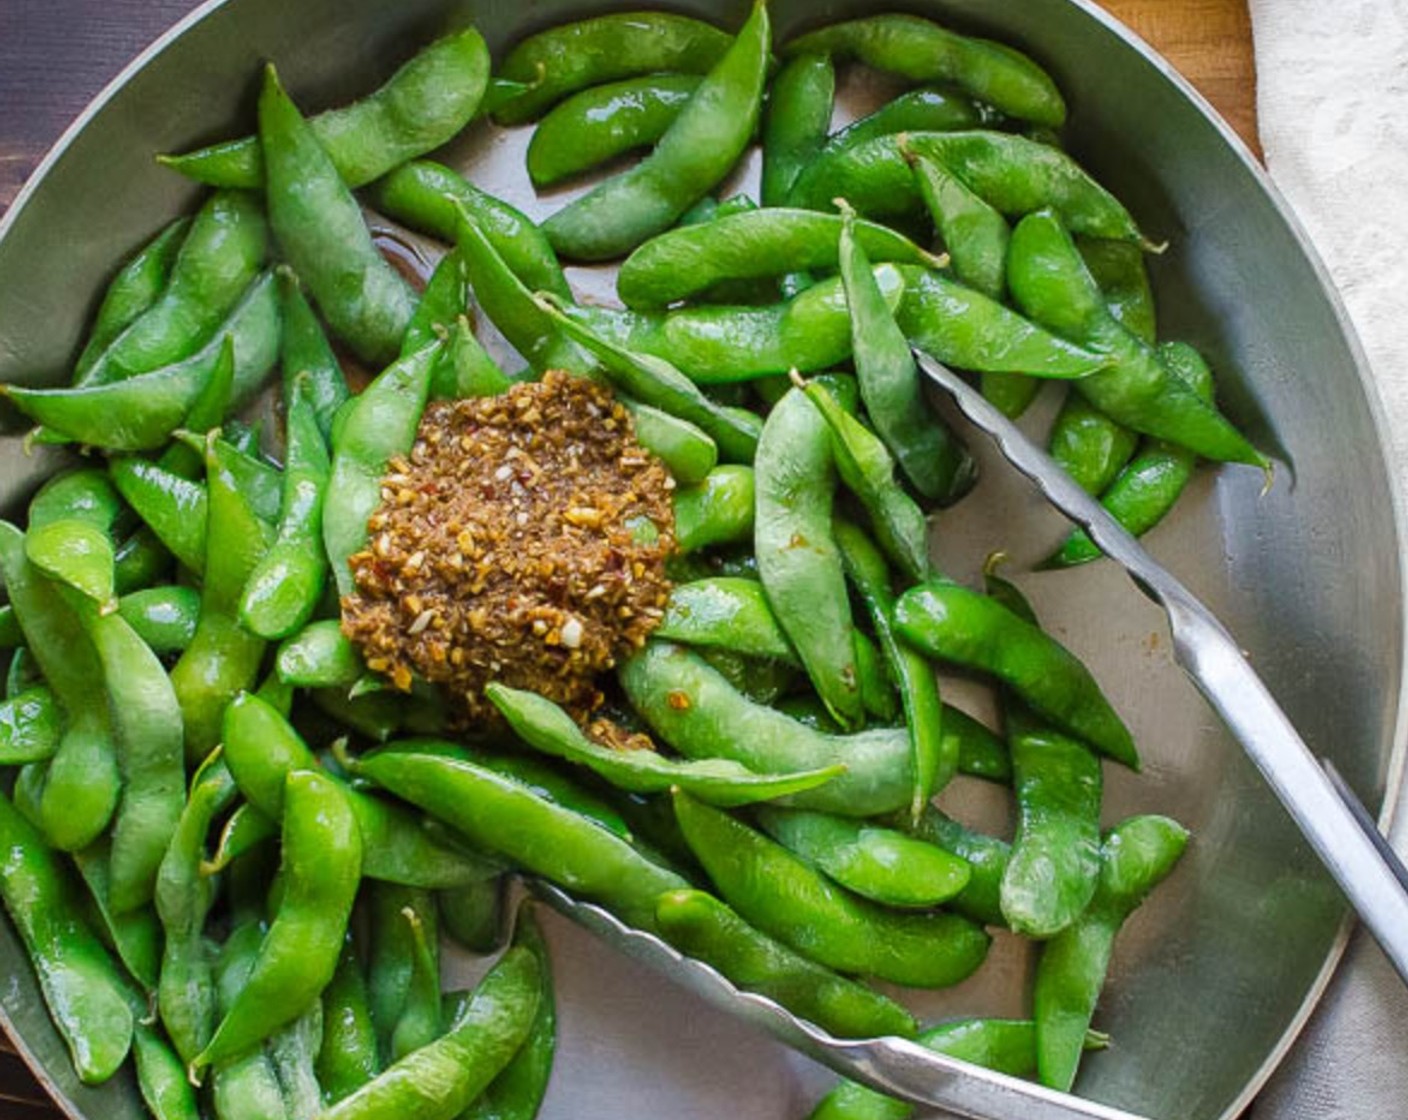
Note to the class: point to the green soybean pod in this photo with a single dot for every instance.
(164, 617)
(725, 612)
(1090, 446)
(421, 106)
(173, 507)
(137, 285)
(293, 1052)
(305, 352)
(382, 423)
(348, 1057)
(964, 328)
(700, 925)
(426, 196)
(472, 916)
(439, 1081)
(923, 51)
(654, 381)
(263, 749)
(1055, 859)
(573, 56)
(510, 817)
(753, 245)
(81, 985)
(320, 227)
(31, 725)
(935, 755)
(322, 863)
(418, 1018)
(219, 258)
(147, 726)
(466, 369)
(83, 783)
(223, 658)
(286, 585)
(798, 561)
(186, 994)
(946, 620)
(134, 937)
(788, 900)
(697, 711)
(880, 864)
(544, 726)
(694, 155)
(517, 1092)
(320, 656)
(598, 124)
(1050, 281)
(719, 510)
(809, 333)
(1004, 1045)
(246, 1087)
(505, 299)
(161, 1076)
(1138, 854)
(686, 450)
(974, 233)
(1150, 483)
(929, 109)
(868, 471)
(798, 117)
(985, 855)
(141, 412)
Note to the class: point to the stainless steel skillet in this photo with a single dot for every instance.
(1212, 982)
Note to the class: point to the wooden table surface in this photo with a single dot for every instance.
(56, 54)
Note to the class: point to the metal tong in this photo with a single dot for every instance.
(1339, 828)
(1324, 808)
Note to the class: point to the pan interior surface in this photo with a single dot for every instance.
(1213, 977)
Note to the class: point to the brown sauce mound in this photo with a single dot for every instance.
(509, 547)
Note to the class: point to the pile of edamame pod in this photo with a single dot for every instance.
(233, 849)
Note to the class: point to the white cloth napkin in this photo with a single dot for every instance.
(1333, 107)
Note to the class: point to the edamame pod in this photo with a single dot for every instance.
(320, 228)
(544, 726)
(426, 196)
(574, 56)
(284, 589)
(217, 261)
(800, 102)
(322, 864)
(798, 563)
(382, 423)
(1137, 855)
(947, 620)
(922, 51)
(506, 816)
(598, 124)
(421, 106)
(82, 785)
(876, 863)
(223, 658)
(694, 709)
(789, 901)
(754, 245)
(81, 985)
(692, 157)
(262, 749)
(437, 1082)
(137, 285)
(1050, 281)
